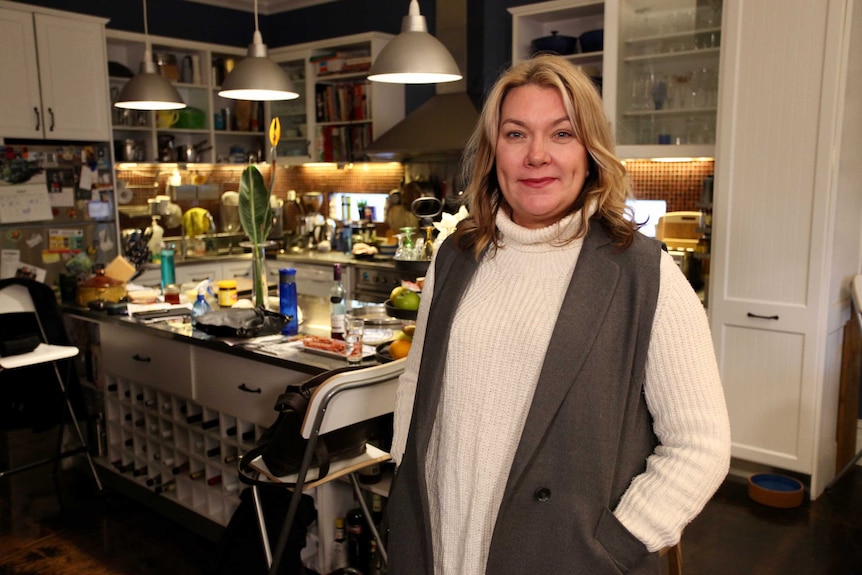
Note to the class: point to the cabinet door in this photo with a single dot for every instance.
(668, 76)
(243, 388)
(21, 112)
(74, 78)
(770, 226)
(151, 360)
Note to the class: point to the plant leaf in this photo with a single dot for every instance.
(255, 213)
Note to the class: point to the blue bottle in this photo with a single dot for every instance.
(287, 299)
(199, 308)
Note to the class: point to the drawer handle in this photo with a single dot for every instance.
(244, 387)
(143, 358)
(754, 315)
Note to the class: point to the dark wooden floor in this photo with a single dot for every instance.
(112, 534)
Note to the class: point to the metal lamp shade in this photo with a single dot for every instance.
(414, 56)
(149, 91)
(258, 78)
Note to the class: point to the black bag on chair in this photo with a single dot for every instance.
(282, 446)
(241, 322)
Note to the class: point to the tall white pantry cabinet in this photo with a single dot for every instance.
(786, 227)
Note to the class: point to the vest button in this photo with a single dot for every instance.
(542, 494)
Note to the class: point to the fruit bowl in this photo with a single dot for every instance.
(392, 311)
(382, 353)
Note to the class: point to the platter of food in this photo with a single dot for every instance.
(331, 347)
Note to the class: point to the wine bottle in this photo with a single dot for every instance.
(197, 474)
(181, 468)
(231, 458)
(213, 451)
(230, 431)
(167, 486)
(338, 308)
(358, 539)
(370, 474)
(210, 424)
(194, 418)
(214, 480)
(248, 435)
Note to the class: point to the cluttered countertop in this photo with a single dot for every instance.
(279, 350)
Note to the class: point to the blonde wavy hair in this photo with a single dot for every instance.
(607, 186)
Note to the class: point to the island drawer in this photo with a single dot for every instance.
(156, 361)
(243, 388)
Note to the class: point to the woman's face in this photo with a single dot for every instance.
(541, 166)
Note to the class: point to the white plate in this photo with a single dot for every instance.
(376, 336)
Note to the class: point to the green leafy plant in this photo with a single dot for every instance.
(255, 217)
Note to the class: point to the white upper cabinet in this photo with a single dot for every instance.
(657, 67)
(54, 81)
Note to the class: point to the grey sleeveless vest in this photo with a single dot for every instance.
(587, 434)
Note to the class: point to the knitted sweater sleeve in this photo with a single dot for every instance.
(407, 383)
(685, 397)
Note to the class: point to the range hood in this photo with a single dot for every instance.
(443, 124)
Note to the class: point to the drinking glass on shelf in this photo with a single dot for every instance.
(354, 330)
(659, 93)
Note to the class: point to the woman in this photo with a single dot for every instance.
(561, 409)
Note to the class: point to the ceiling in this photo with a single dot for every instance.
(265, 7)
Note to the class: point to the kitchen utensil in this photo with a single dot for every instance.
(592, 41)
(167, 118)
(190, 118)
(166, 148)
(100, 287)
(129, 150)
(555, 43)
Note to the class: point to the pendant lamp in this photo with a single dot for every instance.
(414, 56)
(148, 90)
(257, 77)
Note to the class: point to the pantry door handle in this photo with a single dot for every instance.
(51, 113)
(244, 387)
(144, 358)
(754, 315)
(38, 118)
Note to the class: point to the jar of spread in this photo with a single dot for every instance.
(227, 293)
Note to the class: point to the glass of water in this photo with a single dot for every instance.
(353, 332)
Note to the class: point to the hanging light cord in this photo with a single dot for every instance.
(146, 31)
(256, 28)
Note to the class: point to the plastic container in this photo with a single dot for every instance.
(169, 273)
(227, 294)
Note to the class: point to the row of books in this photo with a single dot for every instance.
(341, 143)
(344, 102)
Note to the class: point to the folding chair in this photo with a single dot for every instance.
(16, 298)
(343, 399)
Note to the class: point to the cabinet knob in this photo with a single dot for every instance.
(144, 358)
(244, 387)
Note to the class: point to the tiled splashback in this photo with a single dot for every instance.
(678, 183)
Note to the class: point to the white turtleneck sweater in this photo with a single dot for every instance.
(497, 346)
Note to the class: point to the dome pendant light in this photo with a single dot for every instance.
(148, 90)
(414, 56)
(257, 77)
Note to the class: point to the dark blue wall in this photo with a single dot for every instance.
(489, 27)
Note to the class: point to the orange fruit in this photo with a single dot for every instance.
(399, 348)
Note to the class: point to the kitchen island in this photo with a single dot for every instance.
(181, 406)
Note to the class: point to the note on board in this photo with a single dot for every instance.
(24, 203)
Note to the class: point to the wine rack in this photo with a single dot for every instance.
(176, 447)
